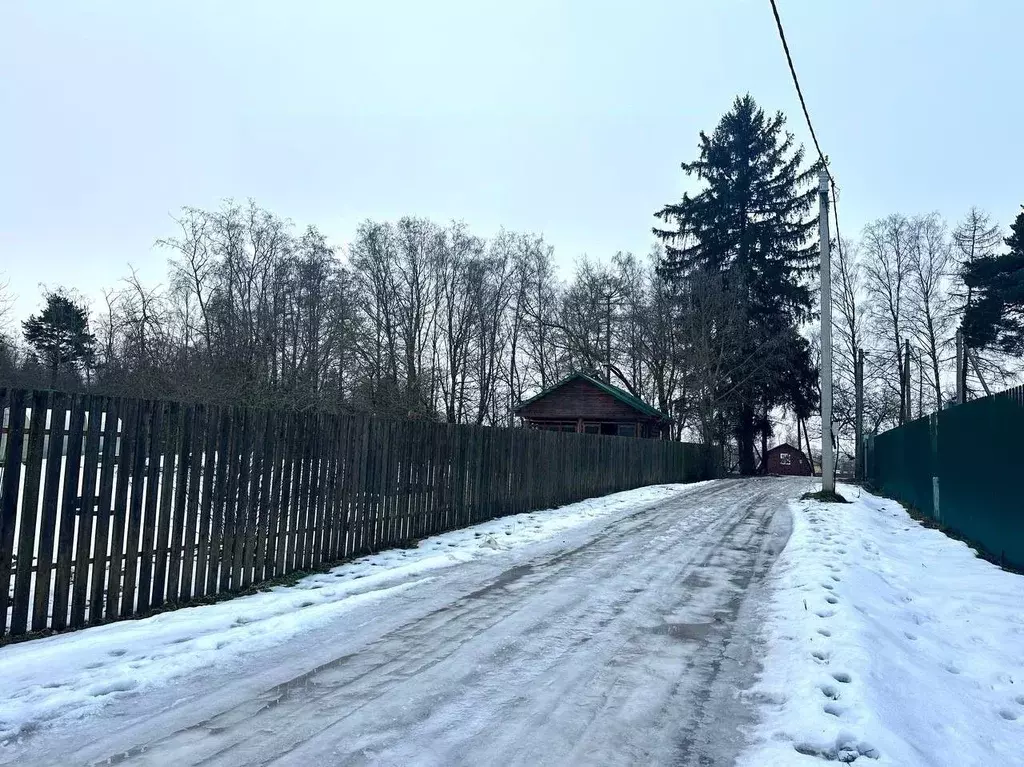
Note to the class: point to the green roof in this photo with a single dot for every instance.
(620, 394)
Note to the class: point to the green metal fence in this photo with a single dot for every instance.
(962, 467)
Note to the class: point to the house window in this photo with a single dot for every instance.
(627, 429)
(785, 459)
(591, 428)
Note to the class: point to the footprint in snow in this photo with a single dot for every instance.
(820, 655)
(1008, 714)
(825, 632)
(843, 751)
(825, 613)
(830, 692)
(832, 599)
(112, 686)
(842, 677)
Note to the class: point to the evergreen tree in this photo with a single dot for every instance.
(994, 318)
(60, 335)
(752, 223)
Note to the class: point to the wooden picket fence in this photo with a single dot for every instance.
(111, 507)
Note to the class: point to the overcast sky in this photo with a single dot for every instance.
(566, 118)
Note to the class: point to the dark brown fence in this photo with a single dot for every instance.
(110, 507)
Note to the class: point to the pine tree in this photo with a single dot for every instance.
(995, 316)
(752, 224)
(60, 335)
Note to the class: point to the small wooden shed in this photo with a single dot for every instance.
(786, 460)
(587, 405)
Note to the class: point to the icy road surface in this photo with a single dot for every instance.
(623, 640)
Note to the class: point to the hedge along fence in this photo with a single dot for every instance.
(120, 506)
(961, 467)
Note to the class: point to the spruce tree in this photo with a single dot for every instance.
(752, 223)
(995, 316)
(60, 335)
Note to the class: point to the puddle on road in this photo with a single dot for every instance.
(684, 632)
(329, 674)
(503, 581)
(697, 581)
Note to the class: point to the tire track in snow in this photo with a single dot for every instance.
(607, 651)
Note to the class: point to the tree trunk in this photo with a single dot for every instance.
(807, 439)
(764, 437)
(745, 430)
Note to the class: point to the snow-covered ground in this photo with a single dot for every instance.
(70, 676)
(888, 641)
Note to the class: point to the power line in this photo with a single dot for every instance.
(810, 125)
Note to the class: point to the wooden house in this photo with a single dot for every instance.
(786, 460)
(588, 405)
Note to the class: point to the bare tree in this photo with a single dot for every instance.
(849, 320)
(413, 319)
(540, 330)
(491, 286)
(887, 269)
(973, 238)
(930, 316)
(415, 278)
(373, 256)
(587, 316)
(457, 252)
(661, 342)
(8, 352)
(192, 274)
(6, 304)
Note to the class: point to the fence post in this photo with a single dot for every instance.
(933, 423)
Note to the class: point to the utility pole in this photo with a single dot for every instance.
(961, 369)
(608, 336)
(828, 480)
(858, 428)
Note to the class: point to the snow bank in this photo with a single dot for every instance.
(71, 675)
(888, 641)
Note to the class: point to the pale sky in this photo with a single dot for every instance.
(566, 118)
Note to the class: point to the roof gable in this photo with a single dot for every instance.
(621, 395)
(785, 444)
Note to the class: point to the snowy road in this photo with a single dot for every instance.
(622, 641)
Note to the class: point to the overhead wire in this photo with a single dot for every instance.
(810, 125)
